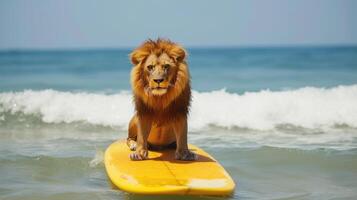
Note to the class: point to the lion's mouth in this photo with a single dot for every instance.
(158, 90)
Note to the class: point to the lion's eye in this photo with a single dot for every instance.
(150, 67)
(166, 66)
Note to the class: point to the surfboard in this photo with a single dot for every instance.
(162, 174)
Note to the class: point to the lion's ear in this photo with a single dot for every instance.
(137, 56)
(179, 53)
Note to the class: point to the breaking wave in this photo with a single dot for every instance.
(307, 107)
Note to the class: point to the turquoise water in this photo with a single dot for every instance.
(236, 69)
(282, 121)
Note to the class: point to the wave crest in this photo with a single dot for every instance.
(307, 107)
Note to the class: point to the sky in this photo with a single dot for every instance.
(61, 24)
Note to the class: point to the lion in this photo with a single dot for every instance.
(161, 88)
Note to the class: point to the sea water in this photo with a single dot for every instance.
(282, 121)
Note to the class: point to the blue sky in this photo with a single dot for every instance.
(114, 23)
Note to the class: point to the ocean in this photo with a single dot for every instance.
(281, 120)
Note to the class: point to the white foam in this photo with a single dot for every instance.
(56, 107)
(98, 158)
(265, 110)
(306, 107)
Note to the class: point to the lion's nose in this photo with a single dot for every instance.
(159, 80)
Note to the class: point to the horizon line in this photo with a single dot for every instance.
(275, 46)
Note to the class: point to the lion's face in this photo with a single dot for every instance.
(159, 73)
(159, 70)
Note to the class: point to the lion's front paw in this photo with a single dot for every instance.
(185, 155)
(139, 155)
(131, 144)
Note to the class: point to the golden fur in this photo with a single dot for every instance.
(161, 86)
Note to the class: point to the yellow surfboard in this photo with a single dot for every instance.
(162, 174)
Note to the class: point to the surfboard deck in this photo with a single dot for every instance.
(162, 174)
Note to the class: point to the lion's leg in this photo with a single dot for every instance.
(132, 133)
(182, 151)
(141, 152)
